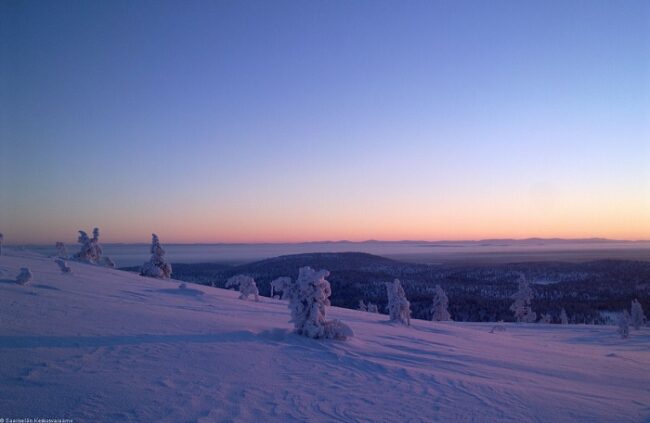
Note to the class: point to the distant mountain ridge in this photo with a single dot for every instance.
(475, 242)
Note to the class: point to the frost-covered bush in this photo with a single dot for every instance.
(246, 284)
(369, 307)
(439, 310)
(399, 308)
(106, 261)
(624, 324)
(281, 284)
(61, 251)
(156, 267)
(362, 306)
(63, 266)
(91, 251)
(24, 277)
(521, 307)
(308, 297)
(545, 318)
(564, 319)
(372, 308)
(637, 317)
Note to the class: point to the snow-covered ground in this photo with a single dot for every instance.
(105, 345)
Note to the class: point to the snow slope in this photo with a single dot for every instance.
(105, 345)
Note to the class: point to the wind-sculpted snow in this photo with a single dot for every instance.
(99, 344)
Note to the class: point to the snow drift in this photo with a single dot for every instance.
(98, 344)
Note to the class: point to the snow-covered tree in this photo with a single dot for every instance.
(624, 324)
(24, 277)
(362, 306)
(637, 317)
(2, 238)
(309, 295)
(439, 310)
(564, 319)
(63, 266)
(281, 284)
(399, 308)
(246, 284)
(521, 307)
(372, 308)
(156, 267)
(545, 318)
(61, 251)
(91, 251)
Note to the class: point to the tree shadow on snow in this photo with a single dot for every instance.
(123, 340)
(189, 292)
(41, 286)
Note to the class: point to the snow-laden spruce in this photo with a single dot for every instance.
(308, 297)
(439, 310)
(156, 267)
(564, 319)
(24, 277)
(521, 307)
(63, 266)
(282, 285)
(246, 285)
(61, 251)
(637, 318)
(91, 252)
(399, 308)
(624, 324)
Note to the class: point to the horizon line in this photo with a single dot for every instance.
(368, 241)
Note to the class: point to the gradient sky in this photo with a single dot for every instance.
(272, 121)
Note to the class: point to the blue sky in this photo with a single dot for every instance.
(292, 121)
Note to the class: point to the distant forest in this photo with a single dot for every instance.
(590, 292)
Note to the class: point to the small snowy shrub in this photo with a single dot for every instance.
(246, 284)
(24, 277)
(362, 306)
(498, 328)
(309, 295)
(372, 308)
(63, 266)
(281, 284)
(439, 310)
(624, 324)
(399, 308)
(564, 319)
(637, 317)
(61, 251)
(521, 307)
(106, 261)
(545, 318)
(156, 267)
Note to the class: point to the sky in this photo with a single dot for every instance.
(287, 121)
